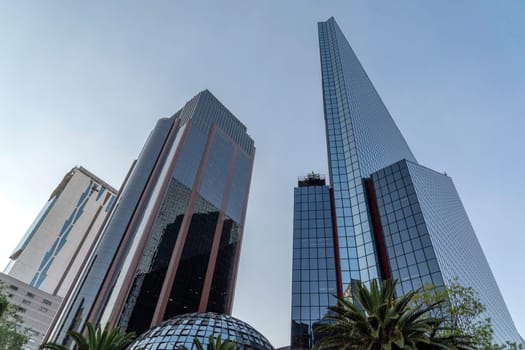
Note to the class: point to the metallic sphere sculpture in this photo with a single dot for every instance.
(181, 330)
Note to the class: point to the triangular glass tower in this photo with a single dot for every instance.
(391, 217)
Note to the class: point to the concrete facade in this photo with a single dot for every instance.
(36, 308)
(63, 234)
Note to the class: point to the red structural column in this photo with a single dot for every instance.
(162, 303)
(241, 230)
(378, 231)
(205, 295)
(336, 246)
(128, 235)
(131, 271)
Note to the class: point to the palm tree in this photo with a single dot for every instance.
(213, 344)
(97, 339)
(380, 321)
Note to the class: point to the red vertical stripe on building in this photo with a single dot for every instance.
(104, 292)
(378, 231)
(158, 315)
(241, 230)
(205, 295)
(131, 271)
(336, 246)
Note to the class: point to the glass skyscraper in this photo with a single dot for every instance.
(393, 217)
(314, 279)
(171, 245)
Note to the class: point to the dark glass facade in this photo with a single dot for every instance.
(314, 277)
(181, 330)
(393, 217)
(152, 272)
(223, 273)
(186, 290)
(179, 215)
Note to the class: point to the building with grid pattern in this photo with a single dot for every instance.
(171, 245)
(314, 278)
(393, 218)
(181, 331)
(36, 308)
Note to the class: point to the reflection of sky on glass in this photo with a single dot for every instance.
(84, 84)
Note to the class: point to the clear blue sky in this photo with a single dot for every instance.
(84, 82)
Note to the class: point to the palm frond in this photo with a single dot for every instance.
(380, 321)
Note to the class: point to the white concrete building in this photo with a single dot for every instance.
(52, 251)
(36, 308)
(48, 258)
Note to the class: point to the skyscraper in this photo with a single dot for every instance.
(53, 250)
(314, 277)
(393, 217)
(62, 235)
(171, 245)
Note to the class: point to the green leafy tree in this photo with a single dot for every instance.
(213, 344)
(96, 339)
(3, 304)
(11, 338)
(377, 320)
(463, 313)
